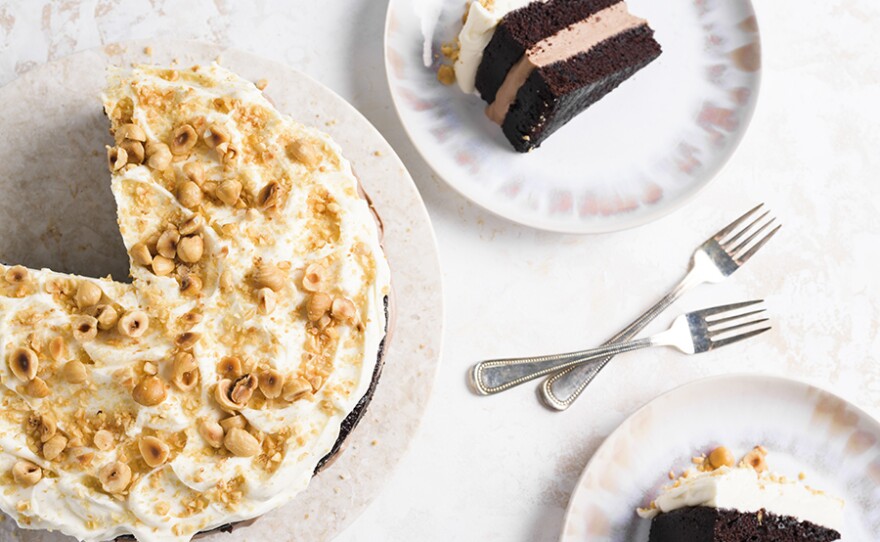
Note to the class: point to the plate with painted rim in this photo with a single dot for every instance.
(633, 157)
(805, 429)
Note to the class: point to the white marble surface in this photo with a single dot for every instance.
(502, 468)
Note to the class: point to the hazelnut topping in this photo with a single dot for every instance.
(23, 363)
(149, 392)
(241, 443)
(183, 140)
(26, 474)
(115, 477)
(133, 324)
(85, 328)
(154, 451)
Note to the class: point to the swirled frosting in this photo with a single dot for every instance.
(207, 390)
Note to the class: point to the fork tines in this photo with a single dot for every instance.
(742, 243)
(720, 327)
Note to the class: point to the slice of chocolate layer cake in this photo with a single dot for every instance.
(721, 502)
(549, 61)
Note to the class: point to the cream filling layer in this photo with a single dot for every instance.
(575, 39)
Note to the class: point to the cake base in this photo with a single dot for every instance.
(704, 524)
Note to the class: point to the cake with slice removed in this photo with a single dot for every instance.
(547, 61)
(722, 502)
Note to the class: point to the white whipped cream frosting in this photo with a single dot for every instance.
(173, 502)
(745, 490)
(483, 17)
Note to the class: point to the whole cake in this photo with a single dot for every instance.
(209, 389)
(539, 63)
(719, 501)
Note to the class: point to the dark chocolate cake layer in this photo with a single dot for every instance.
(703, 524)
(555, 94)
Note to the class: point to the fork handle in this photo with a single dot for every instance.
(563, 388)
(494, 376)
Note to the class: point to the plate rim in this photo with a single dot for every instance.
(739, 376)
(576, 227)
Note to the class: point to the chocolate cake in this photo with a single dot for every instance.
(549, 61)
(720, 501)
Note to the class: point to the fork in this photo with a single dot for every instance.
(692, 333)
(712, 262)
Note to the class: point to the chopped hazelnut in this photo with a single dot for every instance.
(54, 446)
(106, 316)
(304, 152)
(26, 474)
(75, 372)
(140, 254)
(47, 428)
(265, 301)
(233, 396)
(23, 363)
(185, 371)
(212, 432)
(229, 191)
(154, 451)
(167, 244)
(269, 196)
(163, 266)
(158, 155)
(189, 194)
(134, 151)
(756, 459)
(191, 285)
(190, 249)
(230, 368)
(216, 135)
(38, 388)
(296, 388)
(192, 225)
(270, 276)
(16, 274)
(316, 381)
(233, 421)
(85, 328)
(271, 383)
(117, 158)
(194, 172)
(115, 477)
(149, 392)
(132, 132)
(720, 457)
(183, 140)
(446, 75)
(318, 306)
(241, 443)
(313, 278)
(187, 340)
(88, 294)
(103, 440)
(58, 348)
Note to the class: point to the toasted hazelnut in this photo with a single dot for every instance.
(233, 396)
(318, 306)
(167, 244)
(134, 151)
(85, 328)
(103, 440)
(88, 294)
(23, 363)
(316, 382)
(54, 446)
(38, 388)
(16, 274)
(270, 276)
(183, 140)
(75, 372)
(191, 318)
(216, 135)
(149, 392)
(140, 254)
(271, 383)
(163, 266)
(194, 172)
(192, 225)
(313, 278)
(720, 457)
(212, 432)
(241, 443)
(158, 155)
(58, 348)
(154, 451)
(191, 285)
(185, 372)
(132, 132)
(190, 249)
(303, 152)
(133, 324)
(229, 191)
(106, 316)
(296, 388)
(150, 368)
(187, 340)
(230, 368)
(189, 194)
(117, 157)
(236, 420)
(756, 459)
(265, 301)
(47, 427)
(26, 474)
(115, 477)
(269, 196)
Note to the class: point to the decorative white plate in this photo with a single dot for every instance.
(806, 429)
(57, 211)
(633, 157)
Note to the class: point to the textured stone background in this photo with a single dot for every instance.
(503, 468)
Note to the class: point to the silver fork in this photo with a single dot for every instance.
(692, 333)
(712, 262)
